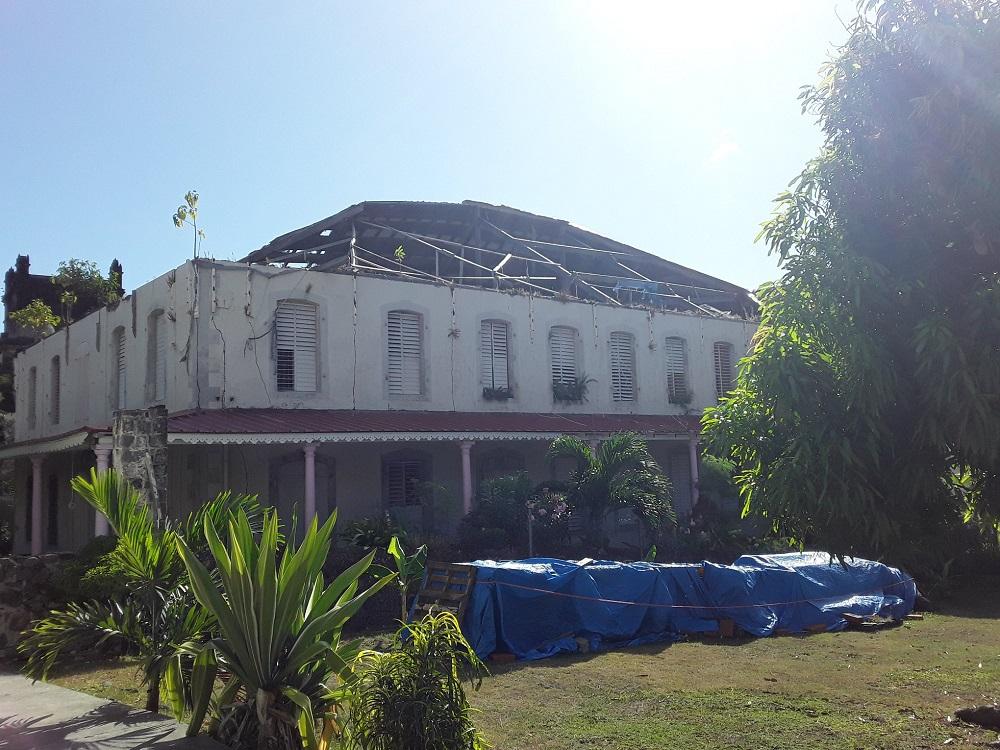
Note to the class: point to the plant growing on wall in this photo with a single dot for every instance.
(572, 391)
(497, 394)
(187, 214)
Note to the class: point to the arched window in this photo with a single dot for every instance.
(296, 338)
(403, 474)
(675, 349)
(723, 361)
(55, 402)
(405, 353)
(32, 397)
(494, 359)
(563, 353)
(156, 368)
(622, 346)
(118, 378)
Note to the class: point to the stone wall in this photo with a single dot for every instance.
(140, 452)
(27, 592)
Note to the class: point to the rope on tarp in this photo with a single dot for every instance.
(653, 605)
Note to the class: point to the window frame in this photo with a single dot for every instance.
(299, 358)
(396, 361)
(729, 377)
(677, 393)
(55, 390)
(574, 337)
(623, 370)
(488, 359)
(156, 357)
(423, 472)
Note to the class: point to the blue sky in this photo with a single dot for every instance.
(670, 126)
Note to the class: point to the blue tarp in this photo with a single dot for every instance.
(539, 607)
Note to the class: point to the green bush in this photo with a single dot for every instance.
(373, 533)
(499, 522)
(412, 695)
(95, 573)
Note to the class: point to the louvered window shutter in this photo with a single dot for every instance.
(677, 365)
(56, 388)
(160, 365)
(120, 369)
(493, 367)
(296, 334)
(562, 346)
(723, 355)
(402, 478)
(622, 366)
(406, 353)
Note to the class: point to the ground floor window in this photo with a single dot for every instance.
(403, 477)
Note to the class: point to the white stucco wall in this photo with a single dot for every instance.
(352, 354)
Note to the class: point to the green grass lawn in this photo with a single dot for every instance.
(892, 689)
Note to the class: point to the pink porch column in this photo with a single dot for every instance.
(310, 483)
(466, 447)
(36, 504)
(693, 455)
(102, 454)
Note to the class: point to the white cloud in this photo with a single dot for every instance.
(724, 151)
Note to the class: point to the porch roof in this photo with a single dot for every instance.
(346, 425)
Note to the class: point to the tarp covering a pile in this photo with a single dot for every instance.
(539, 607)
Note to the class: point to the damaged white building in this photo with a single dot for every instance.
(352, 363)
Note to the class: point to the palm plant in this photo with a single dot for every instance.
(620, 473)
(280, 635)
(157, 615)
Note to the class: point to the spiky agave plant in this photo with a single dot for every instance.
(158, 615)
(412, 696)
(280, 625)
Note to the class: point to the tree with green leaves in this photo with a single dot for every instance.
(157, 617)
(621, 473)
(865, 414)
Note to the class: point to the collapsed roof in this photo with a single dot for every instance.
(496, 247)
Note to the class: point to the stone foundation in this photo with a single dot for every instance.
(140, 452)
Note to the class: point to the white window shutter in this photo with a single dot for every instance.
(493, 362)
(723, 360)
(405, 341)
(296, 339)
(562, 348)
(622, 366)
(32, 397)
(120, 369)
(675, 349)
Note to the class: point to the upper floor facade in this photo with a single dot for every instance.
(215, 334)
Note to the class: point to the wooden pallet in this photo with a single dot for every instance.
(446, 587)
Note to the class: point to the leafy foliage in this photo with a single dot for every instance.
(621, 473)
(36, 316)
(409, 571)
(412, 695)
(280, 629)
(871, 388)
(571, 391)
(373, 533)
(154, 616)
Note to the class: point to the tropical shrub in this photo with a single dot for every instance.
(373, 533)
(279, 640)
(412, 695)
(621, 473)
(499, 520)
(409, 572)
(156, 615)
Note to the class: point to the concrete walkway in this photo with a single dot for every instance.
(40, 716)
